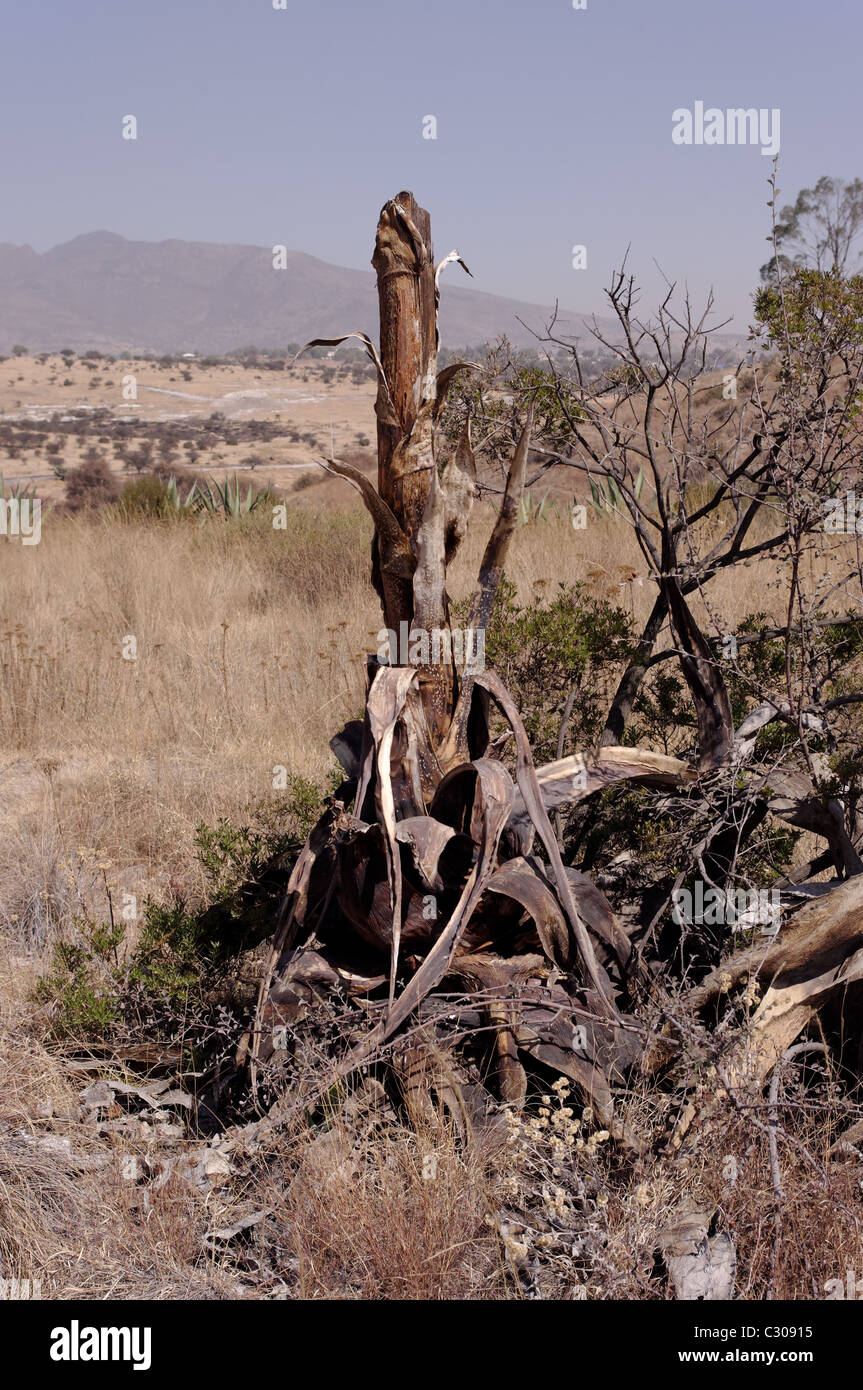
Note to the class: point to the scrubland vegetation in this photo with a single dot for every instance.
(226, 1077)
(153, 778)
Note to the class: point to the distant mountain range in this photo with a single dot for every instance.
(102, 291)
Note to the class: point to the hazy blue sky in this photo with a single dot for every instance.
(554, 128)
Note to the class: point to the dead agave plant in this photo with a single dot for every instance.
(421, 869)
(418, 894)
(421, 872)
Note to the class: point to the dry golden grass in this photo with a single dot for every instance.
(69, 1218)
(250, 647)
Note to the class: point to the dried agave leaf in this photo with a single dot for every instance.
(291, 916)
(419, 245)
(518, 880)
(445, 378)
(427, 839)
(529, 788)
(796, 802)
(348, 745)
(499, 980)
(363, 891)
(305, 973)
(415, 452)
(572, 779)
(384, 390)
(589, 1078)
(448, 259)
(396, 557)
(600, 917)
(422, 769)
(385, 703)
(456, 802)
(423, 1067)
(496, 791)
(494, 557)
(490, 572)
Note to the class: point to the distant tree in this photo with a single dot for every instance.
(819, 230)
(141, 458)
(19, 350)
(92, 484)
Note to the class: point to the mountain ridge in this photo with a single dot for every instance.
(103, 290)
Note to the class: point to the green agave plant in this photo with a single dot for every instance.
(607, 497)
(213, 498)
(175, 499)
(225, 498)
(530, 510)
(22, 492)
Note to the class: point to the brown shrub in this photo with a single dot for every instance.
(91, 484)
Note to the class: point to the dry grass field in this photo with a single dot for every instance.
(249, 654)
(158, 675)
(320, 400)
(250, 646)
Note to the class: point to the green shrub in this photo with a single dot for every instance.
(233, 856)
(171, 954)
(145, 497)
(544, 649)
(177, 976)
(83, 988)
